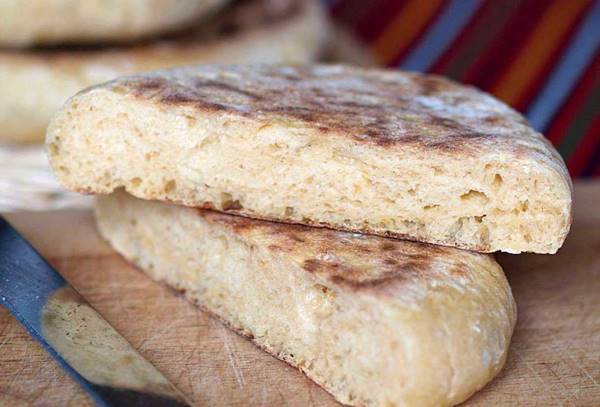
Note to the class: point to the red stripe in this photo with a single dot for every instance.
(396, 60)
(558, 128)
(339, 6)
(586, 148)
(486, 68)
(534, 86)
(377, 18)
(347, 10)
(461, 39)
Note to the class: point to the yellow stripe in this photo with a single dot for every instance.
(404, 28)
(538, 49)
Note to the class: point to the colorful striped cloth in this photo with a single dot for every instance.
(540, 56)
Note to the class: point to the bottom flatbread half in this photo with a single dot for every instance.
(374, 321)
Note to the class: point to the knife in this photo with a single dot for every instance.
(75, 334)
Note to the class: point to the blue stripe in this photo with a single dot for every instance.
(569, 69)
(441, 34)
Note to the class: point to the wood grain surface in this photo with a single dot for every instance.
(554, 358)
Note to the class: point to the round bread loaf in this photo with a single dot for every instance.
(36, 83)
(374, 321)
(391, 153)
(44, 22)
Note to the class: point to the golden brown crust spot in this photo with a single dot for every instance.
(384, 108)
(357, 262)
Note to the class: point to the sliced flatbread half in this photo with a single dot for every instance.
(374, 321)
(42, 22)
(36, 83)
(373, 151)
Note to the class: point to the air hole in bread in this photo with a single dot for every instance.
(411, 225)
(474, 195)
(170, 186)
(322, 288)
(149, 156)
(228, 203)
(135, 182)
(497, 182)
(53, 148)
(457, 227)
(429, 207)
(190, 121)
(289, 211)
(484, 234)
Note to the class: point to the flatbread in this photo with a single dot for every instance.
(374, 321)
(391, 153)
(43, 22)
(36, 83)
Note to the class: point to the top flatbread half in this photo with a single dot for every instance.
(386, 152)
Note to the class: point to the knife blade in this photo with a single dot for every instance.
(74, 333)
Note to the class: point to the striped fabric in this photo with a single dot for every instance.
(540, 56)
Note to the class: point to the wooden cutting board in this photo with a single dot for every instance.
(554, 358)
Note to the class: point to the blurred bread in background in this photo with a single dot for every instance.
(43, 22)
(35, 83)
(343, 46)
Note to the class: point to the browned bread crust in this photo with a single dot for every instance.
(384, 108)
